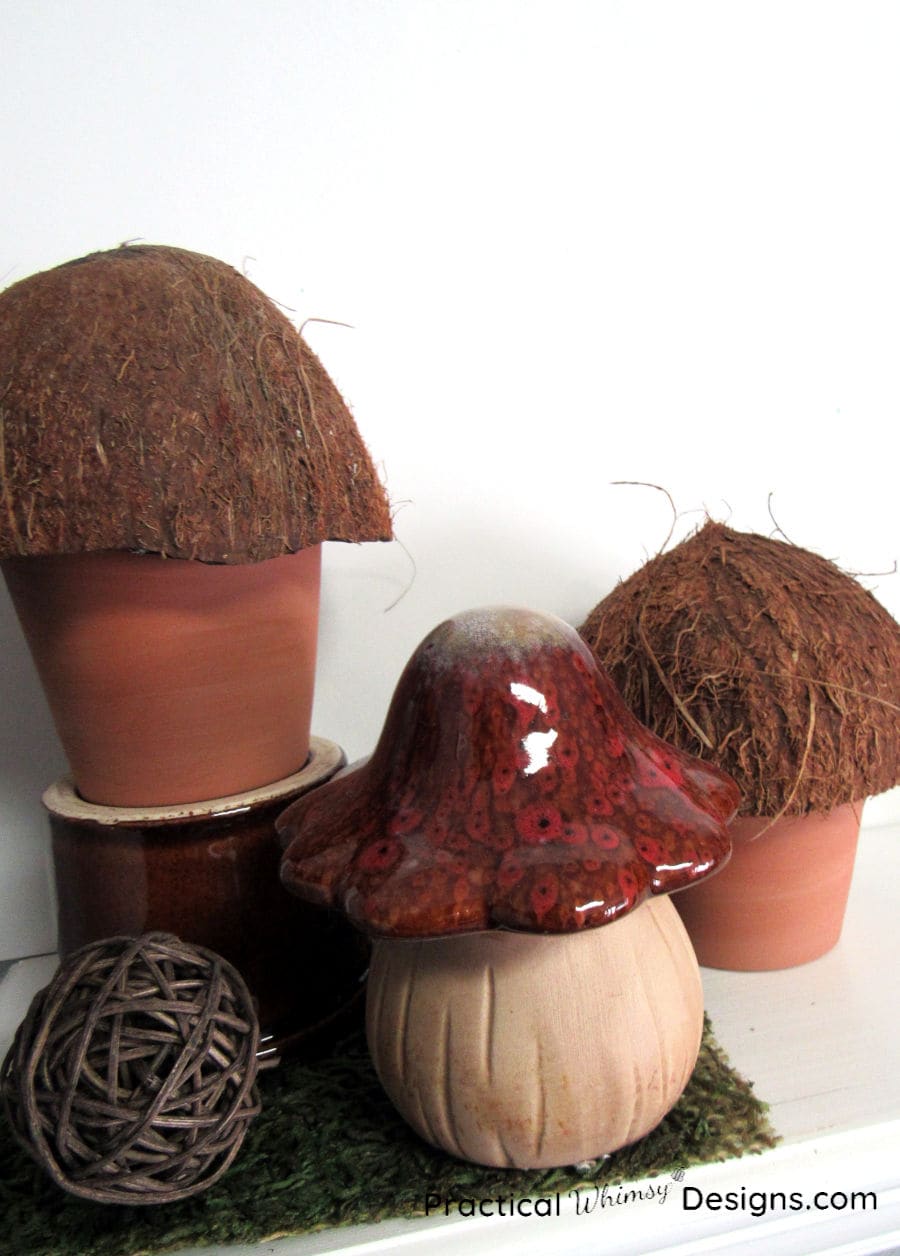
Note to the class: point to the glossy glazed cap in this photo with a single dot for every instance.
(510, 787)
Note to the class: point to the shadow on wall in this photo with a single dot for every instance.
(31, 758)
(29, 748)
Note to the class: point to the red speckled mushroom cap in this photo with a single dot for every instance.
(510, 787)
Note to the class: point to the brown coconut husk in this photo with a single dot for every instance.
(765, 659)
(153, 399)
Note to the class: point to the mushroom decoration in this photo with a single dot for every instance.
(172, 455)
(533, 998)
(768, 661)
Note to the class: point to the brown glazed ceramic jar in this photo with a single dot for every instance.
(209, 874)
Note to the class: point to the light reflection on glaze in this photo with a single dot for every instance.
(525, 693)
(511, 786)
(537, 747)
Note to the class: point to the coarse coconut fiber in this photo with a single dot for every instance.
(763, 658)
(153, 399)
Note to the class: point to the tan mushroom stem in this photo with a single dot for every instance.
(525, 1051)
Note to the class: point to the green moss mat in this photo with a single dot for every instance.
(329, 1150)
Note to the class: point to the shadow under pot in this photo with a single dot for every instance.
(172, 681)
(209, 874)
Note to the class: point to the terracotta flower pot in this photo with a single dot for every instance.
(172, 681)
(780, 900)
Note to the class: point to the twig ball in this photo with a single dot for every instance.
(132, 1078)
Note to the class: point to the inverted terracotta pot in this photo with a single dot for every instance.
(173, 681)
(209, 873)
(780, 900)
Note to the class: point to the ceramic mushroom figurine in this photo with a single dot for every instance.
(533, 997)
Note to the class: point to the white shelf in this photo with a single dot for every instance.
(821, 1044)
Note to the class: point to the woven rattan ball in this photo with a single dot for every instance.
(132, 1079)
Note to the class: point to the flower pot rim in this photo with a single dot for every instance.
(325, 758)
(782, 823)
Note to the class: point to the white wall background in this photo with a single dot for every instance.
(579, 241)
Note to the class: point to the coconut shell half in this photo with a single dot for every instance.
(763, 658)
(153, 399)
